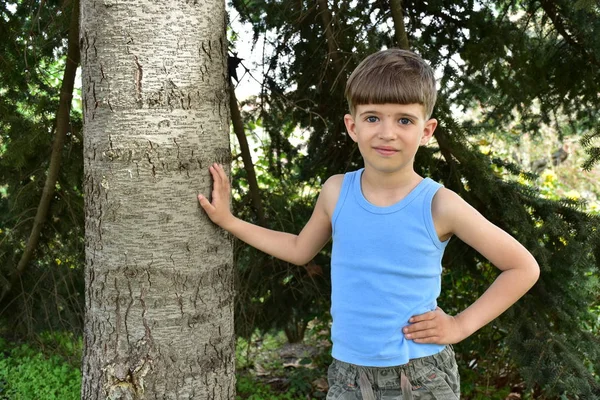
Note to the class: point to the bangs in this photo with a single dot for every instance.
(388, 85)
(392, 76)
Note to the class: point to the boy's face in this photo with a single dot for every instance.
(389, 135)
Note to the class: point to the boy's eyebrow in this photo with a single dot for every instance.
(400, 114)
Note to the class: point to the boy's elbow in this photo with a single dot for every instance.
(300, 253)
(301, 257)
(300, 261)
(534, 271)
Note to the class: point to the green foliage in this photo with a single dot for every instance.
(50, 292)
(300, 380)
(27, 373)
(251, 389)
(268, 366)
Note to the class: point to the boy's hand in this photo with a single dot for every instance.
(218, 211)
(434, 327)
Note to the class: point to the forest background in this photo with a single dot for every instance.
(518, 139)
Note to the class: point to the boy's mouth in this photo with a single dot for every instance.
(385, 150)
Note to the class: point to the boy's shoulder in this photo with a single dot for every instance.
(330, 192)
(332, 185)
(449, 211)
(446, 201)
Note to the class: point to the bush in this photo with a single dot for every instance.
(248, 388)
(27, 373)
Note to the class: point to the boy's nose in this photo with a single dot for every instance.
(385, 135)
(387, 132)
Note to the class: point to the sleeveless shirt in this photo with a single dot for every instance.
(385, 268)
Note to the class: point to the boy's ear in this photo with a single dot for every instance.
(428, 130)
(350, 126)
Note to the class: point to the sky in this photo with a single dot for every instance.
(249, 84)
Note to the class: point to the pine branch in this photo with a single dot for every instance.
(62, 127)
(551, 11)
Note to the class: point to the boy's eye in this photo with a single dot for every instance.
(404, 121)
(372, 119)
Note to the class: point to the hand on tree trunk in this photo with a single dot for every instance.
(218, 210)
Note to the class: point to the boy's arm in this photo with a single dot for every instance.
(519, 273)
(297, 249)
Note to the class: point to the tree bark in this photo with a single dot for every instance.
(62, 127)
(159, 274)
(399, 28)
(238, 128)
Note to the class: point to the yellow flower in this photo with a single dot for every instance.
(549, 176)
(57, 261)
(573, 195)
(523, 179)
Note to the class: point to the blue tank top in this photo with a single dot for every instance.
(385, 268)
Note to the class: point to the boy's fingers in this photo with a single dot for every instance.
(221, 172)
(205, 203)
(422, 334)
(419, 326)
(215, 175)
(218, 184)
(219, 177)
(422, 317)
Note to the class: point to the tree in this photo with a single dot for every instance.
(159, 282)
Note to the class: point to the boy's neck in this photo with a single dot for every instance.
(384, 189)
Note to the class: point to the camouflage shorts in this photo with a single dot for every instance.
(428, 378)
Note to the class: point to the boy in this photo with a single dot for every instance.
(390, 227)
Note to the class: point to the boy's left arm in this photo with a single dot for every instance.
(520, 271)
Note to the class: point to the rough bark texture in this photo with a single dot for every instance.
(159, 275)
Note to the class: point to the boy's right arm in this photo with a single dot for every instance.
(297, 249)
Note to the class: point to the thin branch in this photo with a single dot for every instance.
(62, 126)
(238, 128)
(333, 52)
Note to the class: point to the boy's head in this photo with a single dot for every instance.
(392, 76)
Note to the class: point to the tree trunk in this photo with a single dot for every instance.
(159, 275)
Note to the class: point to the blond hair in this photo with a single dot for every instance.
(392, 76)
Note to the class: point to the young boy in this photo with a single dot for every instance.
(390, 227)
